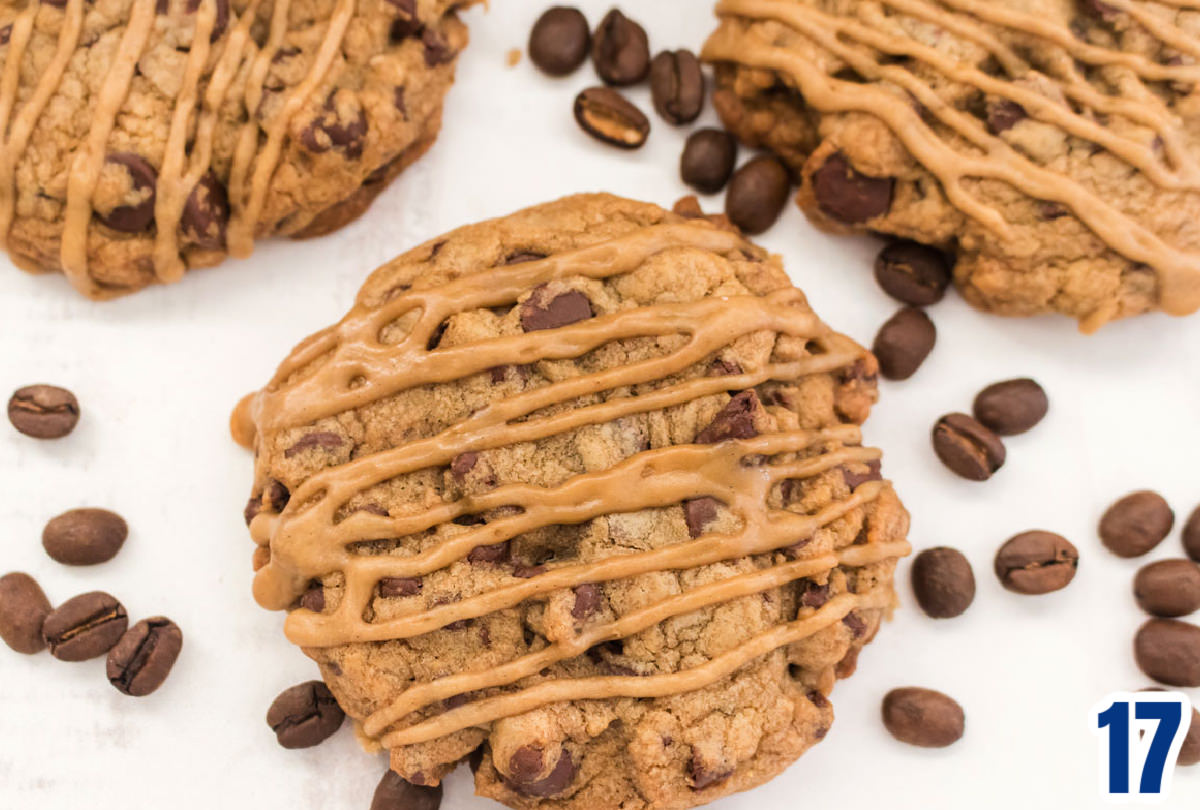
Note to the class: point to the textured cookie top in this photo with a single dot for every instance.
(564, 486)
(142, 137)
(1054, 143)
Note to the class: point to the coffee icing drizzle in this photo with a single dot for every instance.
(347, 367)
(861, 40)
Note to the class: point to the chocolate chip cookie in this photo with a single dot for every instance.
(1052, 145)
(143, 138)
(578, 495)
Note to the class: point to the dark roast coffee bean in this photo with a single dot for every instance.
(967, 448)
(943, 582)
(847, 195)
(677, 86)
(913, 273)
(85, 626)
(143, 658)
(1191, 535)
(1168, 588)
(607, 116)
(1169, 651)
(1011, 407)
(304, 715)
(708, 159)
(923, 717)
(138, 215)
(757, 193)
(1136, 523)
(903, 343)
(559, 41)
(396, 793)
(620, 50)
(1036, 562)
(23, 609)
(84, 536)
(43, 411)
(206, 213)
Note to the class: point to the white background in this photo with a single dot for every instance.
(158, 373)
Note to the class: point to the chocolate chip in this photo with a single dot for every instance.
(1191, 535)
(5, 34)
(524, 779)
(677, 86)
(396, 793)
(206, 213)
(903, 343)
(540, 311)
(84, 536)
(391, 587)
(587, 601)
(609, 117)
(1168, 588)
(220, 23)
(698, 513)
(1136, 523)
(406, 23)
(304, 715)
(855, 624)
(139, 214)
(734, 421)
(314, 598)
(1011, 407)
(277, 496)
(494, 553)
(1004, 115)
(321, 439)
(814, 595)
(1036, 562)
(913, 273)
(705, 774)
(463, 463)
(943, 582)
(708, 159)
(43, 411)
(757, 193)
(559, 41)
(23, 609)
(85, 626)
(967, 448)
(399, 102)
(1168, 651)
(141, 661)
(524, 571)
(847, 195)
(871, 471)
(437, 48)
(341, 124)
(620, 50)
(923, 717)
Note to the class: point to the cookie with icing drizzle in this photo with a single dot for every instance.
(579, 495)
(1051, 145)
(143, 138)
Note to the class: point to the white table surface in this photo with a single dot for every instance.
(157, 374)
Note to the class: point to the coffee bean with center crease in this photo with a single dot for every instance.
(394, 792)
(23, 610)
(943, 582)
(967, 448)
(85, 626)
(847, 195)
(913, 273)
(304, 715)
(677, 86)
(142, 659)
(1191, 535)
(1011, 407)
(757, 193)
(923, 717)
(1168, 651)
(607, 116)
(1036, 562)
(903, 343)
(708, 159)
(43, 411)
(1168, 588)
(1136, 523)
(84, 536)
(620, 50)
(559, 41)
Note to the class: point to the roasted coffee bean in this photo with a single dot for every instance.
(1036, 562)
(143, 658)
(923, 717)
(903, 343)
(206, 213)
(913, 273)
(1011, 407)
(605, 114)
(85, 626)
(304, 715)
(757, 193)
(525, 768)
(559, 41)
(1169, 651)
(23, 609)
(677, 86)
(943, 582)
(967, 448)
(394, 792)
(84, 536)
(1191, 535)
(1168, 588)
(43, 411)
(708, 159)
(138, 215)
(1136, 523)
(620, 50)
(847, 195)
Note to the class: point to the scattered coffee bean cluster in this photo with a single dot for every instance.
(970, 446)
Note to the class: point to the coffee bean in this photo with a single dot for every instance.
(1036, 562)
(43, 411)
(559, 41)
(757, 193)
(1191, 535)
(206, 213)
(138, 215)
(1136, 523)
(923, 717)
(1168, 588)
(847, 195)
(525, 768)
(541, 311)
(394, 792)
(604, 114)
(967, 448)
(84, 536)
(708, 159)
(903, 343)
(943, 582)
(23, 609)
(1011, 407)
(143, 658)
(620, 50)
(913, 273)
(1169, 651)
(304, 715)
(85, 626)
(677, 86)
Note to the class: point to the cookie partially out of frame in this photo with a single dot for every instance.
(1052, 145)
(578, 495)
(143, 138)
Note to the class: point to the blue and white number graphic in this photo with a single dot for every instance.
(1140, 736)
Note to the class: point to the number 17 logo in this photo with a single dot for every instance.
(1141, 734)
